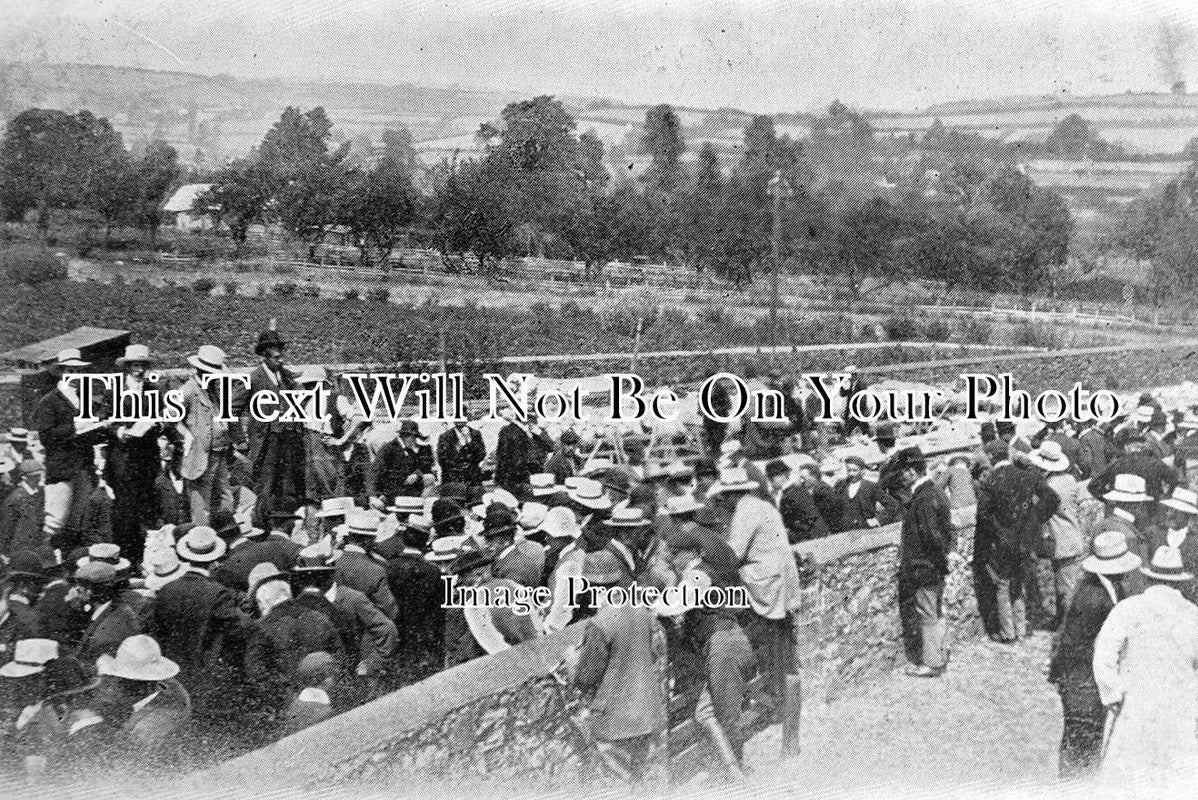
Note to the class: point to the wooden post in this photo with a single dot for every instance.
(791, 714)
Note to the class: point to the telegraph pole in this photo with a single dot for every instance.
(779, 190)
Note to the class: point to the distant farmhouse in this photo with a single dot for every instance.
(179, 209)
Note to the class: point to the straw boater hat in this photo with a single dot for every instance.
(362, 523)
(589, 494)
(138, 659)
(209, 358)
(17, 436)
(70, 357)
(532, 515)
(1128, 489)
(625, 516)
(107, 553)
(135, 353)
(1110, 555)
(732, 479)
(164, 567)
(335, 507)
(445, 548)
(1167, 566)
(560, 523)
(406, 505)
(501, 496)
(96, 573)
(1183, 500)
(542, 483)
(262, 574)
(1049, 457)
(30, 657)
(200, 545)
(681, 504)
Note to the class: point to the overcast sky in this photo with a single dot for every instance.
(752, 54)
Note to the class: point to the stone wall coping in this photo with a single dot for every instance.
(839, 545)
(304, 758)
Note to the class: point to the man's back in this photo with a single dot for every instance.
(623, 657)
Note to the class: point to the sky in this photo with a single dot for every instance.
(758, 55)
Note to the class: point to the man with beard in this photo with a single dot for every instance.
(460, 453)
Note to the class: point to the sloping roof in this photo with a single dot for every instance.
(185, 196)
(45, 350)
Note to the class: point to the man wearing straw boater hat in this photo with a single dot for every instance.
(1128, 510)
(276, 448)
(356, 565)
(133, 459)
(68, 443)
(1146, 668)
(207, 442)
(1102, 586)
(1061, 537)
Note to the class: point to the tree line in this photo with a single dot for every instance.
(961, 212)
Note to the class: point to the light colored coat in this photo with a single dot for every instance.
(1064, 526)
(199, 422)
(757, 536)
(1146, 657)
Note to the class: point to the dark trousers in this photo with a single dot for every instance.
(773, 644)
(730, 661)
(1085, 719)
(133, 505)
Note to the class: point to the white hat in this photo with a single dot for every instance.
(200, 545)
(135, 353)
(1183, 499)
(70, 357)
(164, 567)
(1049, 457)
(1143, 414)
(209, 358)
(30, 657)
(589, 493)
(532, 515)
(732, 479)
(139, 658)
(335, 507)
(445, 548)
(560, 523)
(502, 496)
(1167, 566)
(405, 504)
(1110, 555)
(681, 504)
(542, 483)
(313, 374)
(1128, 489)
(362, 523)
(730, 447)
(260, 574)
(106, 553)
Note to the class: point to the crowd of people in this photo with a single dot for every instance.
(175, 593)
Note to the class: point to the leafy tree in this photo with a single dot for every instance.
(238, 198)
(662, 141)
(378, 206)
(157, 170)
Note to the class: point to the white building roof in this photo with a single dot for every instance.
(185, 196)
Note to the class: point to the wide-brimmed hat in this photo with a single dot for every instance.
(542, 483)
(532, 515)
(405, 504)
(1167, 566)
(603, 568)
(200, 545)
(679, 471)
(314, 559)
(105, 552)
(589, 494)
(30, 657)
(560, 523)
(1128, 488)
(70, 357)
(209, 358)
(362, 522)
(627, 516)
(502, 497)
(17, 436)
(445, 548)
(135, 353)
(264, 573)
(28, 564)
(732, 479)
(1183, 500)
(139, 658)
(335, 507)
(163, 566)
(1049, 457)
(269, 338)
(681, 504)
(1110, 555)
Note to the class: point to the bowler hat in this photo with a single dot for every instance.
(135, 353)
(28, 564)
(269, 339)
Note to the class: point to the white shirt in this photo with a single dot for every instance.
(100, 610)
(1125, 515)
(853, 488)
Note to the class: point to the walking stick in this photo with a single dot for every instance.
(1108, 727)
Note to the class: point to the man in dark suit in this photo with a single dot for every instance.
(460, 453)
(23, 512)
(859, 499)
(199, 625)
(1136, 459)
(521, 451)
(276, 449)
(564, 461)
(815, 478)
(133, 461)
(258, 546)
(925, 543)
(358, 568)
(68, 442)
(415, 584)
(402, 468)
(112, 620)
(799, 514)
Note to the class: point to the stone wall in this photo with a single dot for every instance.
(503, 720)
